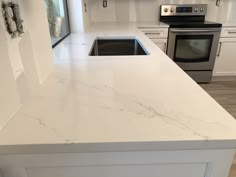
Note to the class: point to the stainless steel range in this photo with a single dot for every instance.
(192, 41)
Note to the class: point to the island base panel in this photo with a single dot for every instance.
(190, 163)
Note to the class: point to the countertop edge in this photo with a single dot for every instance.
(116, 147)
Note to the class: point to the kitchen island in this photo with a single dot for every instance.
(109, 116)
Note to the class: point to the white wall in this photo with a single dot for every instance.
(13, 50)
(9, 99)
(36, 18)
(75, 14)
(224, 13)
(25, 62)
(148, 10)
(35, 23)
(78, 18)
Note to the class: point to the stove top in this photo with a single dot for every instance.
(204, 24)
(186, 16)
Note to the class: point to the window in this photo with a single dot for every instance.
(58, 20)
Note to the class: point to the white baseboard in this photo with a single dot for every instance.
(224, 74)
(234, 162)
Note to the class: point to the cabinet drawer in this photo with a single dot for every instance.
(155, 33)
(148, 170)
(228, 32)
(225, 64)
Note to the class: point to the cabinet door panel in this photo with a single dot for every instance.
(162, 46)
(161, 43)
(150, 170)
(226, 59)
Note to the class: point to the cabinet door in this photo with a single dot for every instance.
(162, 46)
(149, 170)
(196, 163)
(161, 43)
(225, 64)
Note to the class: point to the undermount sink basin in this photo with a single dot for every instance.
(117, 47)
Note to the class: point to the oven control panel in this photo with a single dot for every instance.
(184, 10)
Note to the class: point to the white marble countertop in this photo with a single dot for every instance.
(226, 24)
(152, 24)
(229, 24)
(116, 104)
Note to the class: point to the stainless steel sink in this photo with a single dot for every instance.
(117, 47)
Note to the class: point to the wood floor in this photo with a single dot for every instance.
(223, 90)
(233, 171)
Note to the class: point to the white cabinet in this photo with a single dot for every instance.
(225, 64)
(149, 170)
(158, 35)
(161, 43)
(192, 163)
(228, 32)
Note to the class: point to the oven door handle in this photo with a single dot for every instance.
(193, 31)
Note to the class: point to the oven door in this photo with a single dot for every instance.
(193, 49)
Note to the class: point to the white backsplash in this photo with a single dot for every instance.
(25, 62)
(148, 10)
(224, 13)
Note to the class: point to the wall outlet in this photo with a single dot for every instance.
(218, 3)
(104, 3)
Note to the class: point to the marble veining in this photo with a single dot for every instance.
(118, 100)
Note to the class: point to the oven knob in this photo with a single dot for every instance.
(201, 9)
(171, 10)
(196, 9)
(166, 10)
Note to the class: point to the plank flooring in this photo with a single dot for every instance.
(232, 172)
(223, 90)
